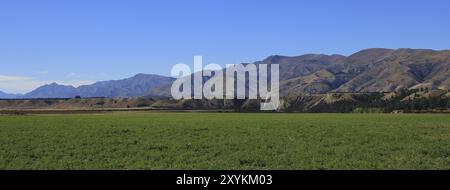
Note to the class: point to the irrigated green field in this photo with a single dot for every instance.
(160, 140)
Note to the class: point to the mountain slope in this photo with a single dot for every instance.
(369, 70)
(131, 87)
(4, 95)
(135, 86)
(52, 91)
(318, 82)
(402, 68)
(292, 67)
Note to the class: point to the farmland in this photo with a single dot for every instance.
(190, 140)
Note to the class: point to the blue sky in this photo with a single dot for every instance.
(80, 41)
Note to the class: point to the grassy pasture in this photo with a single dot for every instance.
(163, 140)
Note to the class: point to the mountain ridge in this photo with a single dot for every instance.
(135, 86)
(368, 70)
(4, 95)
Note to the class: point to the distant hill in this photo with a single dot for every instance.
(53, 90)
(135, 86)
(4, 95)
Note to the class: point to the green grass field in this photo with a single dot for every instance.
(159, 140)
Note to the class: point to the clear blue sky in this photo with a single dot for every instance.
(81, 41)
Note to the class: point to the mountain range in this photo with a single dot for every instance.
(4, 95)
(369, 70)
(136, 86)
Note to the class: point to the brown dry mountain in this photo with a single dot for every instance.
(136, 86)
(371, 70)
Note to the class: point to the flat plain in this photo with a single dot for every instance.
(190, 140)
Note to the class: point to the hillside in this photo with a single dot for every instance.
(377, 70)
(135, 86)
(4, 95)
(370, 70)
